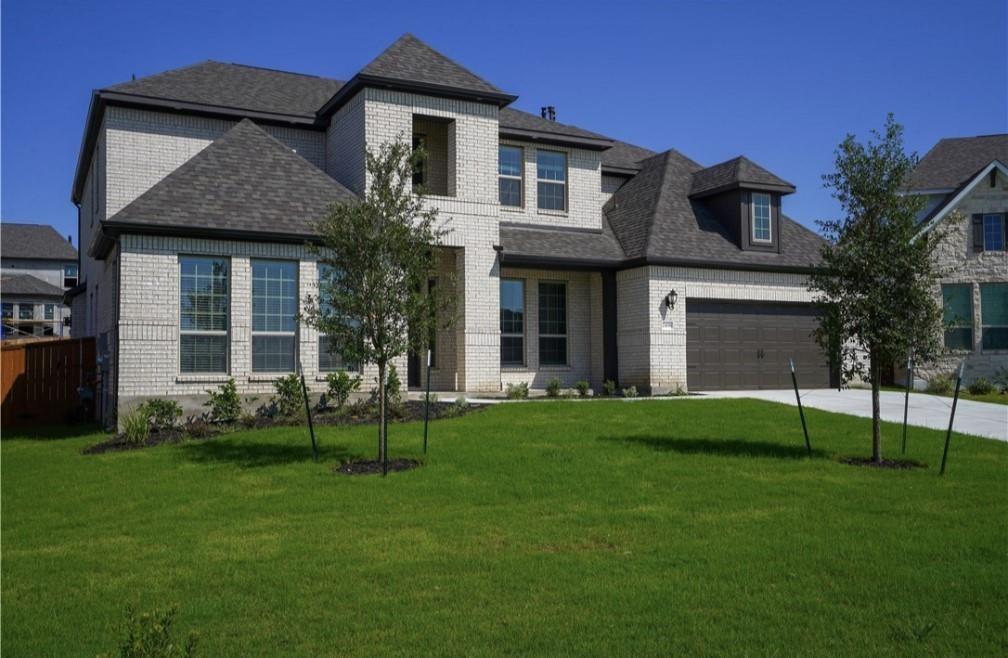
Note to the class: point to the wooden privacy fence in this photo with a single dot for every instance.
(41, 381)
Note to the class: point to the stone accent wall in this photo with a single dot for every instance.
(960, 264)
(652, 337)
(145, 146)
(580, 314)
(149, 320)
(584, 189)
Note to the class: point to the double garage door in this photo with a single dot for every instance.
(732, 345)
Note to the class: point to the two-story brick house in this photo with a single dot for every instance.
(37, 265)
(575, 255)
(965, 182)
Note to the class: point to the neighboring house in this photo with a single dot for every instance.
(965, 181)
(37, 265)
(575, 255)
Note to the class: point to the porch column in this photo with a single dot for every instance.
(478, 319)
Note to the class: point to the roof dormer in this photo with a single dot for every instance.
(746, 199)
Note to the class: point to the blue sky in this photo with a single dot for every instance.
(781, 82)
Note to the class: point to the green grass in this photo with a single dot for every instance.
(681, 527)
(994, 397)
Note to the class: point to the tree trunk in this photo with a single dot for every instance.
(876, 382)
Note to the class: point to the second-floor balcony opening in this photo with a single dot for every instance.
(436, 174)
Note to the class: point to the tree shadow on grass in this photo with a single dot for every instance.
(725, 447)
(254, 454)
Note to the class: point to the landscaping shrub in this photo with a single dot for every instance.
(582, 388)
(151, 635)
(162, 414)
(289, 398)
(1000, 380)
(630, 392)
(432, 398)
(609, 388)
(517, 391)
(198, 427)
(225, 405)
(461, 404)
(940, 384)
(341, 385)
(136, 425)
(980, 386)
(553, 388)
(393, 390)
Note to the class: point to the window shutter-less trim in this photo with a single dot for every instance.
(978, 233)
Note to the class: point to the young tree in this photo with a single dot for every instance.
(877, 279)
(380, 253)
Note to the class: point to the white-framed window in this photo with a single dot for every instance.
(994, 316)
(204, 305)
(994, 232)
(552, 323)
(274, 315)
(70, 275)
(551, 180)
(509, 169)
(8, 311)
(762, 227)
(26, 311)
(512, 322)
(330, 359)
(49, 311)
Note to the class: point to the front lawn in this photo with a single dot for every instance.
(677, 527)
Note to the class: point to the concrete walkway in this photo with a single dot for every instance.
(979, 418)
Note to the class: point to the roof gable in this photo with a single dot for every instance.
(953, 161)
(411, 60)
(735, 173)
(246, 182)
(34, 241)
(954, 198)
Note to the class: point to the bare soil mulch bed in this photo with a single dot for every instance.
(373, 466)
(354, 415)
(892, 464)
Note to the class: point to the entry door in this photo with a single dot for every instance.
(731, 345)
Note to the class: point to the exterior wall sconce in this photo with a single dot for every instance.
(670, 299)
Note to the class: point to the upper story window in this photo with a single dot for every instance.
(8, 311)
(69, 275)
(994, 232)
(49, 311)
(203, 314)
(26, 311)
(551, 180)
(994, 316)
(274, 315)
(957, 315)
(761, 224)
(512, 322)
(509, 168)
(436, 136)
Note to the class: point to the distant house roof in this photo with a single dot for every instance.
(954, 160)
(236, 86)
(245, 182)
(735, 173)
(34, 241)
(28, 285)
(655, 220)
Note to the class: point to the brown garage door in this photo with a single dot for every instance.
(732, 345)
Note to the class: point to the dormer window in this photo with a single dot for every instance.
(761, 224)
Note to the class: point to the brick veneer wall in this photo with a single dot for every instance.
(652, 338)
(960, 264)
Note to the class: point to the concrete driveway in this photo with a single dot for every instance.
(978, 418)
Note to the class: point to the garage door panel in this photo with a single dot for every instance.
(733, 345)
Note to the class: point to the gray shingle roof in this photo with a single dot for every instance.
(411, 60)
(244, 181)
(559, 244)
(236, 86)
(953, 160)
(737, 172)
(653, 217)
(27, 285)
(625, 156)
(34, 241)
